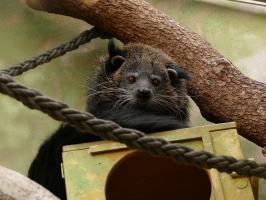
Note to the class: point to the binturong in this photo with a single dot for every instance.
(137, 87)
(140, 87)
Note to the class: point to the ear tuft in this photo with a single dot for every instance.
(183, 74)
(172, 74)
(176, 73)
(115, 59)
(113, 50)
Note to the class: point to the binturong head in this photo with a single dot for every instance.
(137, 76)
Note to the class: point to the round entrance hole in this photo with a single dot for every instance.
(140, 176)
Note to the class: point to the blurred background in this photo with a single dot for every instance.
(235, 29)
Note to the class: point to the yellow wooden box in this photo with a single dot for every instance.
(107, 170)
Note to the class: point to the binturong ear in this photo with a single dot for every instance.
(116, 58)
(176, 73)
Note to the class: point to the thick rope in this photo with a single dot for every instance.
(87, 123)
(109, 130)
(46, 57)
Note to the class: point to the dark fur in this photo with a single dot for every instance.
(108, 88)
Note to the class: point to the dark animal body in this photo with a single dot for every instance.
(137, 87)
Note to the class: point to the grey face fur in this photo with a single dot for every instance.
(143, 80)
(140, 77)
(147, 77)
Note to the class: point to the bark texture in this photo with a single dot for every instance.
(14, 186)
(220, 90)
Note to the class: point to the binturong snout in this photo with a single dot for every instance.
(143, 93)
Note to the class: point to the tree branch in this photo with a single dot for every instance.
(35, 4)
(14, 186)
(220, 90)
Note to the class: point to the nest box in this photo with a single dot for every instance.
(107, 170)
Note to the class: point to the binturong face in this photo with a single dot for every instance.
(141, 77)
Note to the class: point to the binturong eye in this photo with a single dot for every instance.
(131, 79)
(156, 82)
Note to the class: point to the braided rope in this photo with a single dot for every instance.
(109, 130)
(87, 123)
(46, 57)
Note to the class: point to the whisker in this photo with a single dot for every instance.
(93, 94)
(121, 101)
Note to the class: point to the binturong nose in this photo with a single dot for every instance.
(144, 93)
